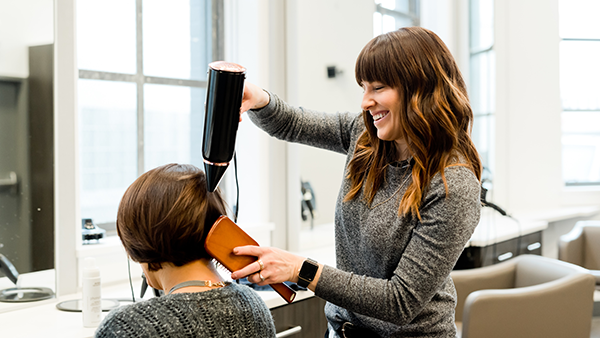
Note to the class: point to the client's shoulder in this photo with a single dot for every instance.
(128, 320)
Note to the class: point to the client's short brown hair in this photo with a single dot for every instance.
(165, 214)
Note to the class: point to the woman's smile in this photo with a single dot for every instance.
(379, 115)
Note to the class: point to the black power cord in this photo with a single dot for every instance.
(236, 208)
(130, 282)
(485, 203)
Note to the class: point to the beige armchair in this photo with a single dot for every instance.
(581, 246)
(527, 296)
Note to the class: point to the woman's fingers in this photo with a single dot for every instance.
(249, 250)
(277, 265)
(249, 98)
(254, 98)
(258, 278)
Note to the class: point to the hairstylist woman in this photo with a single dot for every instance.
(409, 200)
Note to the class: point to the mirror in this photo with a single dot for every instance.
(26, 135)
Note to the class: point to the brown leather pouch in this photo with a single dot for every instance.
(226, 235)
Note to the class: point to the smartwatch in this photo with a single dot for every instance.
(307, 272)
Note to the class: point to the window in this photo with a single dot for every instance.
(579, 72)
(142, 84)
(482, 91)
(391, 15)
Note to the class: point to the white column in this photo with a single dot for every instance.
(66, 174)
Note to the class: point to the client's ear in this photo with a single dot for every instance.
(150, 277)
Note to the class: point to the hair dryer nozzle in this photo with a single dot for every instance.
(214, 174)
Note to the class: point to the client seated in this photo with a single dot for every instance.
(162, 221)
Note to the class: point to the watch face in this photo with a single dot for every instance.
(308, 270)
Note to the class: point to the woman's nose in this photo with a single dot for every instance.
(367, 102)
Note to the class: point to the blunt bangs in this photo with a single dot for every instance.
(378, 62)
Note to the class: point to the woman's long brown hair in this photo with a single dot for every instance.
(435, 114)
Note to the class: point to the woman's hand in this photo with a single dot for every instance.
(254, 98)
(278, 265)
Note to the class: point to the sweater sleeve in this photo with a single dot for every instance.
(435, 244)
(309, 127)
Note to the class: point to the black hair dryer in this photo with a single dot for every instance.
(223, 101)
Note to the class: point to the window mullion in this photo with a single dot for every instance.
(107, 76)
(218, 36)
(140, 87)
(396, 14)
(175, 82)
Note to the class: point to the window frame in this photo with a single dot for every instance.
(575, 184)
(475, 96)
(140, 79)
(413, 13)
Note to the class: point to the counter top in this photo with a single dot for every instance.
(495, 228)
(560, 214)
(43, 319)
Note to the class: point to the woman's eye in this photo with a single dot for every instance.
(378, 88)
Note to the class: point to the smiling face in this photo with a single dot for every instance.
(384, 104)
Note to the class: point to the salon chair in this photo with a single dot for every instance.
(527, 296)
(581, 246)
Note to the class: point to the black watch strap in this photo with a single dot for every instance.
(307, 272)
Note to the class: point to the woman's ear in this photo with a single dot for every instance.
(150, 277)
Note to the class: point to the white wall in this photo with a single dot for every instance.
(321, 34)
(528, 143)
(449, 19)
(255, 38)
(23, 23)
(441, 16)
(286, 47)
(245, 42)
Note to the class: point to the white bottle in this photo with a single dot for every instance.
(92, 302)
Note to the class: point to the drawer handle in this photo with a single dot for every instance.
(289, 332)
(534, 246)
(505, 256)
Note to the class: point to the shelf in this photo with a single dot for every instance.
(13, 79)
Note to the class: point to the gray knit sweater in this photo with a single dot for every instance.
(392, 272)
(232, 311)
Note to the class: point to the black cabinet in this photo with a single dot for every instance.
(302, 319)
(477, 256)
(531, 244)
